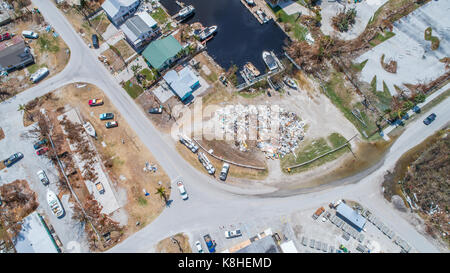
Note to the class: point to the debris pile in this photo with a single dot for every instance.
(276, 131)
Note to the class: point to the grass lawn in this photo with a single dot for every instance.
(133, 89)
(359, 67)
(100, 23)
(34, 67)
(47, 42)
(212, 77)
(159, 15)
(433, 39)
(381, 38)
(384, 97)
(296, 29)
(312, 150)
(148, 74)
(250, 95)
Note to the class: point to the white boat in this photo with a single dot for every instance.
(186, 11)
(269, 60)
(250, 2)
(55, 204)
(290, 82)
(208, 32)
(90, 129)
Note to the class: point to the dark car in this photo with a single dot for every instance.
(40, 143)
(111, 124)
(416, 109)
(429, 119)
(156, 110)
(95, 40)
(42, 151)
(105, 116)
(13, 159)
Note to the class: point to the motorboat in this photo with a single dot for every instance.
(290, 82)
(250, 67)
(269, 60)
(207, 32)
(250, 2)
(55, 204)
(186, 11)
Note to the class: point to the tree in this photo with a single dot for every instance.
(161, 191)
(83, 7)
(23, 108)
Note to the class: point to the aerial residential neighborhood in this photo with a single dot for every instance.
(224, 126)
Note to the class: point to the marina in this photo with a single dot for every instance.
(239, 38)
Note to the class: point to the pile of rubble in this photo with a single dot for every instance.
(276, 131)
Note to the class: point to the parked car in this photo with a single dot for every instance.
(111, 124)
(105, 116)
(30, 34)
(5, 36)
(42, 151)
(95, 40)
(100, 188)
(39, 74)
(183, 192)
(223, 80)
(224, 173)
(429, 119)
(95, 102)
(43, 177)
(156, 110)
(198, 245)
(13, 159)
(40, 143)
(416, 109)
(233, 233)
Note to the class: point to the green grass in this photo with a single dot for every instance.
(148, 74)
(249, 95)
(134, 90)
(142, 201)
(433, 39)
(212, 77)
(48, 43)
(160, 16)
(298, 31)
(381, 38)
(313, 150)
(359, 67)
(34, 67)
(384, 97)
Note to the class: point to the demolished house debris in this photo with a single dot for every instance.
(276, 131)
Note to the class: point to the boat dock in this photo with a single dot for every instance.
(259, 5)
(249, 82)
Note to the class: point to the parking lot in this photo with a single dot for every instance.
(309, 235)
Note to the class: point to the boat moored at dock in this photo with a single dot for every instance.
(269, 60)
(207, 32)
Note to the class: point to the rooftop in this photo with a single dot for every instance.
(34, 237)
(182, 82)
(140, 23)
(113, 6)
(159, 51)
(263, 245)
(351, 215)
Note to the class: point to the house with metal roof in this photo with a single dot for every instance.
(139, 29)
(35, 236)
(183, 83)
(161, 53)
(14, 54)
(350, 216)
(120, 10)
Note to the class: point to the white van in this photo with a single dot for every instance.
(39, 75)
(30, 34)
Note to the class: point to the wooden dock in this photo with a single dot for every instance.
(253, 10)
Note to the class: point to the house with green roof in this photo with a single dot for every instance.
(161, 53)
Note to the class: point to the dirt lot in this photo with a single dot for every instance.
(123, 154)
(170, 246)
(2, 134)
(47, 50)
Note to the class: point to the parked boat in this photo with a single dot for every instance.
(186, 11)
(250, 2)
(55, 204)
(269, 60)
(290, 82)
(249, 66)
(262, 15)
(207, 32)
(90, 129)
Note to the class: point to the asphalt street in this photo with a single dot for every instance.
(212, 204)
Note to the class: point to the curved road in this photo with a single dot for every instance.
(211, 203)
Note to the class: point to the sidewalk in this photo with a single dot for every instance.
(388, 129)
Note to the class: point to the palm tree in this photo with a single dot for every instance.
(23, 108)
(162, 193)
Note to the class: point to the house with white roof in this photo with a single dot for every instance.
(140, 29)
(183, 83)
(120, 10)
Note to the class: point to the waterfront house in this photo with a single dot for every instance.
(14, 54)
(161, 53)
(183, 83)
(120, 10)
(140, 29)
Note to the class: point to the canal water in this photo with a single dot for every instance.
(240, 38)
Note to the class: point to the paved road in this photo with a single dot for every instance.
(210, 203)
